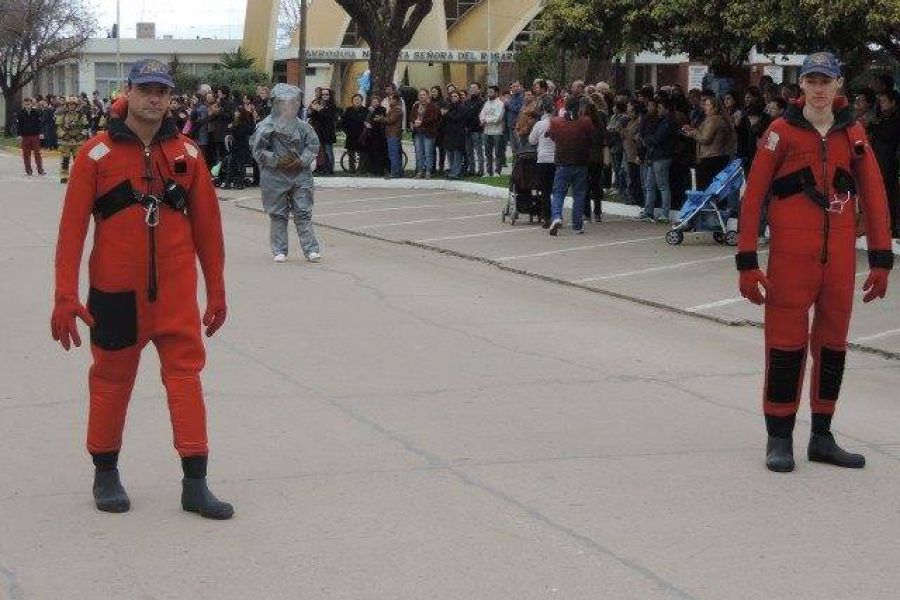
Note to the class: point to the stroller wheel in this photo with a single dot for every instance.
(731, 238)
(674, 237)
(719, 237)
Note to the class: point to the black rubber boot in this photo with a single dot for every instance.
(109, 495)
(195, 494)
(780, 454)
(823, 449)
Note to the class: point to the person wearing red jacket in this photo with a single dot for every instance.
(155, 212)
(818, 165)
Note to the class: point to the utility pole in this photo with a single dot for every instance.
(301, 48)
(492, 75)
(118, 46)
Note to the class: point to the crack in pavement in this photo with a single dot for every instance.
(434, 460)
(384, 299)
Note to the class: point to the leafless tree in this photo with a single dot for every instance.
(288, 21)
(36, 34)
(386, 26)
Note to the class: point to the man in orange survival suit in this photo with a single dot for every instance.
(155, 212)
(817, 163)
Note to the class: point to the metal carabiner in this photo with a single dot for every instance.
(151, 207)
(837, 204)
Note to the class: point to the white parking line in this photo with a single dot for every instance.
(728, 301)
(877, 336)
(474, 235)
(654, 269)
(390, 208)
(702, 307)
(577, 248)
(442, 219)
(377, 199)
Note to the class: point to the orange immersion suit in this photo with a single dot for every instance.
(155, 212)
(815, 183)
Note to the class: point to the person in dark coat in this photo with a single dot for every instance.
(475, 139)
(353, 124)
(240, 131)
(28, 122)
(437, 98)
(455, 119)
(884, 134)
(48, 126)
(323, 116)
(375, 138)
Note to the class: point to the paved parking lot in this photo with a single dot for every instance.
(394, 423)
(619, 256)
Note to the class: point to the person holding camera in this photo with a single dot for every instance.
(155, 213)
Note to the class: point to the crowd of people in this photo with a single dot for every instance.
(648, 146)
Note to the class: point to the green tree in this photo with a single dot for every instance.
(237, 60)
(536, 60)
(243, 80)
(705, 29)
(722, 32)
(596, 30)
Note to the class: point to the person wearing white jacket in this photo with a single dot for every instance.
(546, 157)
(492, 119)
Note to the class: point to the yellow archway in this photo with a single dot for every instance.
(328, 24)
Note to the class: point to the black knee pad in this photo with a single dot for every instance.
(785, 368)
(831, 373)
(65, 163)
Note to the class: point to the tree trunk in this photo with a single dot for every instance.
(382, 65)
(605, 69)
(13, 101)
(630, 71)
(561, 83)
(593, 68)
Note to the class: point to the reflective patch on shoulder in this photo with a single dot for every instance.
(98, 151)
(772, 141)
(191, 149)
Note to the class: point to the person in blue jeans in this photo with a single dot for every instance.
(425, 117)
(393, 131)
(572, 135)
(659, 138)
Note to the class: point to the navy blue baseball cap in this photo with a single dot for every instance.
(150, 70)
(823, 63)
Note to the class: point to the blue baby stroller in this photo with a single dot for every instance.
(702, 211)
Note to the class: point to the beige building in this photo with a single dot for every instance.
(459, 41)
(466, 31)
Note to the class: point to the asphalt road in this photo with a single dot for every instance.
(395, 422)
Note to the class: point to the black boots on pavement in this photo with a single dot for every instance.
(195, 495)
(822, 446)
(110, 495)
